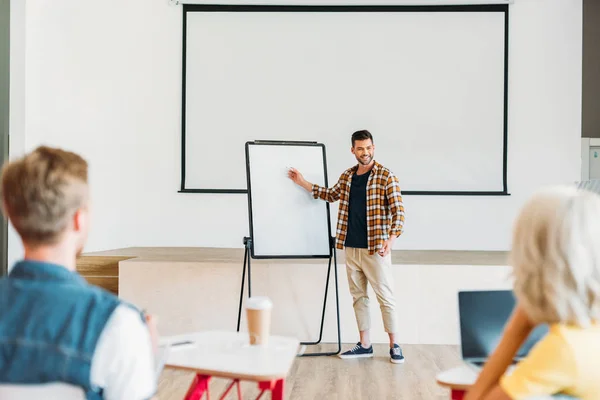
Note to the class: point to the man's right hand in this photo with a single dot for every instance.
(298, 179)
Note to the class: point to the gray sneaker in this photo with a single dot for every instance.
(358, 352)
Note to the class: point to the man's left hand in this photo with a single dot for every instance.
(386, 247)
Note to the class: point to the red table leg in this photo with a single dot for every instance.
(276, 387)
(198, 387)
(278, 391)
(200, 383)
(239, 391)
(457, 394)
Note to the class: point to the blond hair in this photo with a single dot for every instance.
(42, 191)
(556, 256)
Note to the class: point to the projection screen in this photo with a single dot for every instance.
(429, 82)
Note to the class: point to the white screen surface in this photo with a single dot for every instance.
(286, 221)
(428, 85)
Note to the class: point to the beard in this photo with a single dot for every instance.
(364, 161)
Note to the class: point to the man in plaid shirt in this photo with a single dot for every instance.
(370, 218)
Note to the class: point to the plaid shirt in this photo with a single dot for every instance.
(385, 210)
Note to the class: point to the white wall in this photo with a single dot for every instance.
(17, 103)
(104, 79)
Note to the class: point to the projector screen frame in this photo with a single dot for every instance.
(249, 186)
(504, 8)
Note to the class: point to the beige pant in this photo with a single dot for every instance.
(376, 270)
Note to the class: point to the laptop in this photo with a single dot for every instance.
(483, 316)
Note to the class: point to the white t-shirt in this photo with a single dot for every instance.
(123, 363)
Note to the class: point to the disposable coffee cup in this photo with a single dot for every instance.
(258, 313)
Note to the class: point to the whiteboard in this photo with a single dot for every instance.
(429, 85)
(285, 220)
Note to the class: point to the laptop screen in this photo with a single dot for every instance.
(483, 315)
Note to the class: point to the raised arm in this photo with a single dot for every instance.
(516, 332)
(394, 197)
(318, 192)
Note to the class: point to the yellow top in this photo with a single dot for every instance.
(566, 360)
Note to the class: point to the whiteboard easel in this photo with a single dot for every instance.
(285, 221)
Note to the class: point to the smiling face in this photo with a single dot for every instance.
(364, 151)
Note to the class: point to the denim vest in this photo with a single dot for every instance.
(50, 322)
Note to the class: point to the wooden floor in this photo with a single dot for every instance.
(332, 378)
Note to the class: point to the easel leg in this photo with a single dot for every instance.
(249, 279)
(247, 244)
(337, 303)
(324, 308)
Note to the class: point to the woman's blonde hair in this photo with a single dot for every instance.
(556, 256)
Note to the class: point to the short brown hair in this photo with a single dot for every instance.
(41, 192)
(361, 135)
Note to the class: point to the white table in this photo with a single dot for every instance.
(229, 355)
(458, 379)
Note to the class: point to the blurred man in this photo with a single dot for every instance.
(54, 327)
